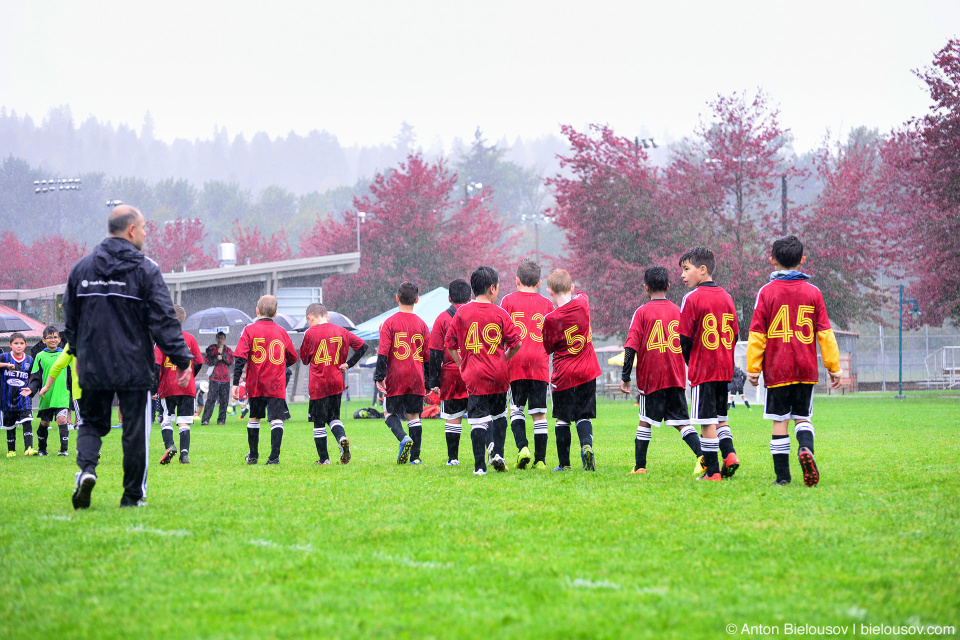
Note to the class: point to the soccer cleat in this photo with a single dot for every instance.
(523, 458)
(139, 503)
(638, 471)
(29, 452)
(539, 464)
(730, 465)
(561, 468)
(81, 495)
(405, 445)
(498, 463)
(11, 454)
(699, 469)
(203, 424)
(42, 454)
(811, 475)
(781, 481)
(323, 462)
(714, 478)
(250, 459)
(586, 457)
(273, 460)
(479, 472)
(62, 453)
(344, 445)
(453, 463)
(168, 455)
(417, 461)
(184, 457)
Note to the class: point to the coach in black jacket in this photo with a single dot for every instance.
(116, 306)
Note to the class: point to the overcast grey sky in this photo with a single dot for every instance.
(514, 68)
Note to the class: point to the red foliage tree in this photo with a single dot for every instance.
(178, 244)
(416, 229)
(45, 262)
(253, 247)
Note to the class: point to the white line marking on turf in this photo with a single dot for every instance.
(60, 518)
(580, 583)
(159, 532)
(653, 591)
(268, 544)
(416, 564)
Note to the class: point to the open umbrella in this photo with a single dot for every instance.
(10, 323)
(216, 319)
(336, 318)
(285, 321)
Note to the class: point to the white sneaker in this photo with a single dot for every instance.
(498, 463)
(479, 472)
(453, 463)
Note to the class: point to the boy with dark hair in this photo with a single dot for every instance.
(177, 402)
(270, 351)
(401, 373)
(568, 336)
(661, 375)
(789, 320)
(325, 346)
(445, 377)
(16, 408)
(481, 339)
(708, 332)
(54, 405)
(530, 368)
(218, 357)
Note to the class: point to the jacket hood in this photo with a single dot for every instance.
(115, 257)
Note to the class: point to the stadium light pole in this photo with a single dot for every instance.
(915, 311)
(361, 217)
(113, 203)
(58, 185)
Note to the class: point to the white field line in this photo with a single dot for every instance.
(158, 532)
(416, 564)
(59, 518)
(269, 544)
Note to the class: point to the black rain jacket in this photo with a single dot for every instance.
(115, 307)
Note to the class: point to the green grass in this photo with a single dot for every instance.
(375, 550)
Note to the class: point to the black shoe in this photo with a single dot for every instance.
(250, 459)
(184, 458)
(81, 495)
(781, 481)
(273, 460)
(42, 453)
(220, 424)
(203, 424)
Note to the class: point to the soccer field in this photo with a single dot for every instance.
(372, 549)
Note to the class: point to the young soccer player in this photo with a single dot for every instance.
(568, 336)
(661, 374)
(789, 320)
(177, 403)
(735, 388)
(270, 352)
(708, 333)
(65, 362)
(55, 404)
(530, 368)
(16, 408)
(324, 348)
(401, 371)
(481, 339)
(444, 372)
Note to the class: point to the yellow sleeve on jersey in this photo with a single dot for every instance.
(756, 345)
(829, 350)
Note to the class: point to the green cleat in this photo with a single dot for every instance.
(523, 458)
(586, 456)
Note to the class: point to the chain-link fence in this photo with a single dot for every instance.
(923, 355)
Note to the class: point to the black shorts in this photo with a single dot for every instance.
(324, 410)
(12, 418)
(410, 403)
(576, 403)
(789, 402)
(51, 414)
(271, 408)
(531, 394)
(452, 409)
(180, 407)
(708, 403)
(665, 405)
(480, 409)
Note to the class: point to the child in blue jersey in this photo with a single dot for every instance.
(15, 408)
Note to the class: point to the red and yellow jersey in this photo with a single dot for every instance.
(268, 351)
(452, 386)
(527, 310)
(481, 332)
(654, 335)
(568, 336)
(168, 385)
(788, 320)
(404, 340)
(709, 318)
(325, 347)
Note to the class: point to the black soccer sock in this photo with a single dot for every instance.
(562, 432)
(276, 439)
(780, 450)
(64, 437)
(805, 435)
(710, 447)
(499, 435)
(12, 439)
(336, 427)
(253, 438)
(689, 435)
(166, 432)
(519, 428)
(746, 403)
(42, 436)
(416, 433)
(640, 447)
(27, 435)
(451, 432)
(184, 440)
(726, 441)
(541, 434)
(320, 441)
(478, 438)
(396, 426)
(585, 433)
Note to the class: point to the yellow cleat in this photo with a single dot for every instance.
(699, 469)
(29, 452)
(638, 471)
(11, 454)
(540, 464)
